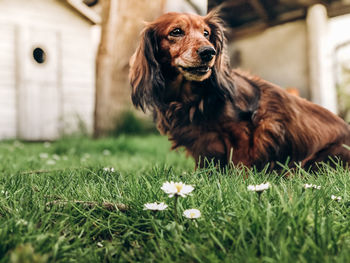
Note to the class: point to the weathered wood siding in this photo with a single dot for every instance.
(8, 121)
(76, 61)
(78, 81)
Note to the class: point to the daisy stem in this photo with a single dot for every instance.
(175, 209)
(259, 194)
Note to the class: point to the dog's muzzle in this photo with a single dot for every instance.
(206, 53)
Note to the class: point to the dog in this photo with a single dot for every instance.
(180, 71)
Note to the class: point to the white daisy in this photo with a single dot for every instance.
(106, 152)
(259, 187)
(155, 206)
(50, 162)
(312, 186)
(336, 198)
(21, 222)
(178, 188)
(56, 157)
(108, 169)
(192, 213)
(44, 155)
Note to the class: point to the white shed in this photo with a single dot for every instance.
(47, 68)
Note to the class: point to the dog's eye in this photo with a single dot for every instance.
(176, 32)
(206, 33)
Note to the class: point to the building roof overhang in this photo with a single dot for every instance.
(245, 17)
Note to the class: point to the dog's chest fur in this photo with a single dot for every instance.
(207, 127)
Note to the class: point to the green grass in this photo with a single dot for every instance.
(41, 219)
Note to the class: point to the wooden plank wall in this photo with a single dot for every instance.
(77, 60)
(7, 81)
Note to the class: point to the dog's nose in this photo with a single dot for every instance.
(206, 53)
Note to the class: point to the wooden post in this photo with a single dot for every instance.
(122, 21)
(323, 91)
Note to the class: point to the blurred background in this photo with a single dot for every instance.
(64, 63)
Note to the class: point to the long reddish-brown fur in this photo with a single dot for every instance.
(180, 71)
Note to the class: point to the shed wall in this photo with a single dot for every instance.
(76, 61)
(8, 109)
(278, 54)
(340, 40)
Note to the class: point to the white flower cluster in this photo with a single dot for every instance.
(109, 169)
(51, 162)
(175, 189)
(259, 187)
(106, 152)
(336, 198)
(54, 158)
(44, 155)
(318, 187)
(312, 186)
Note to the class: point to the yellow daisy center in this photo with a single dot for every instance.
(192, 215)
(178, 187)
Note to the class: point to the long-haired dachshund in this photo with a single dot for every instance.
(180, 72)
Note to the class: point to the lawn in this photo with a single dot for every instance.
(59, 204)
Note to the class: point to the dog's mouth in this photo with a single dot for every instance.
(202, 70)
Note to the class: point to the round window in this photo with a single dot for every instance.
(90, 2)
(39, 55)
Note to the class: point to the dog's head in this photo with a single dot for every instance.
(185, 45)
(175, 44)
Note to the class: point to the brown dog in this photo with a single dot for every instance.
(180, 71)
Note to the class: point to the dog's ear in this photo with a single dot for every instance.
(221, 77)
(145, 76)
(217, 38)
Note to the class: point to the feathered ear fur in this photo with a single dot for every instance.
(145, 76)
(221, 72)
(217, 37)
